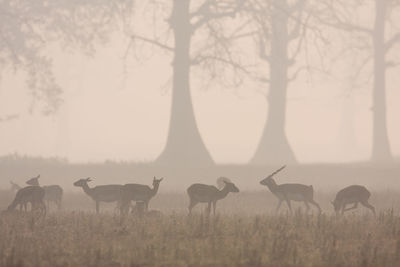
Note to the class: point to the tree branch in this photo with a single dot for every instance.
(394, 40)
(153, 42)
(206, 15)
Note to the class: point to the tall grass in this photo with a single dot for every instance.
(86, 239)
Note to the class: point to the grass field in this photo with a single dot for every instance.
(84, 239)
(245, 232)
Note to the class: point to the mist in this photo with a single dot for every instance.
(127, 116)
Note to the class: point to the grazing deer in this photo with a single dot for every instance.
(289, 192)
(352, 194)
(15, 188)
(138, 193)
(53, 193)
(202, 193)
(32, 194)
(100, 193)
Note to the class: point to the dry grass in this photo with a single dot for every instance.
(244, 233)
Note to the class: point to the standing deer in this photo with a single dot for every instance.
(210, 194)
(100, 193)
(31, 194)
(138, 193)
(352, 194)
(289, 192)
(53, 193)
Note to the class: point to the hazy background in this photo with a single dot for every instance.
(116, 105)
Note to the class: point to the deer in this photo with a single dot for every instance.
(100, 193)
(210, 194)
(32, 194)
(53, 193)
(15, 188)
(138, 193)
(352, 194)
(289, 192)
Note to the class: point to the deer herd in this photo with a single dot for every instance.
(39, 197)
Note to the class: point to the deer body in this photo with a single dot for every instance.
(31, 194)
(53, 193)
(202, 193)
(100, 193)
(291, 192)
(138, 193)
(352, 194)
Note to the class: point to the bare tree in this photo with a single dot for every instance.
(281, 26)
(27, 28)
(375, 44)
(187, 18)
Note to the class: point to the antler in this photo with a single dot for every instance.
(278, 170)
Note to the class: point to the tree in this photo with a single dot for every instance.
(281, 27)
(342, 15)
(184, 144)
(27, 28)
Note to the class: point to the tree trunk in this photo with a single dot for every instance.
(184, 144)
(380, 144)
(274, 147)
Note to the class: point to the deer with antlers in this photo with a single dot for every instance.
(290, 192)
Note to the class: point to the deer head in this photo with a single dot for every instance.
(269, 179)
(34, 181)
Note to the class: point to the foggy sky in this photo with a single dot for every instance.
(107, 116)
(111, 115)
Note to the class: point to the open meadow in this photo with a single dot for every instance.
(245, 232)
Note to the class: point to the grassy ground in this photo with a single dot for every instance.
(245, 232)
(86, 239)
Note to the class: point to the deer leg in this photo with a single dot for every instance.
(366, 204)
(208, 208)
(214, 206)
(307, 206)
(288, 204)
(97, 206)
(43, 208)
(278, 206)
